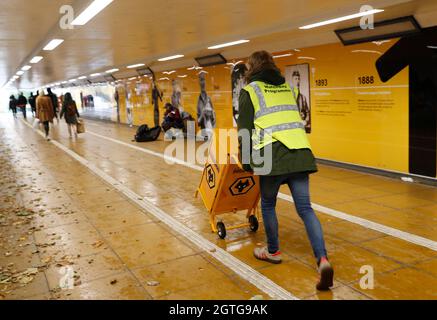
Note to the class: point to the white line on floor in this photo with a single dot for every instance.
(412, 238)
(243, 270)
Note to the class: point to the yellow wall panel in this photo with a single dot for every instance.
(355, 118)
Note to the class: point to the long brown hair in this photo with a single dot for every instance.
(260, 61)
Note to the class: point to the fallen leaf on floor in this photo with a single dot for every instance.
(47, 260)
(30, 271)
(98, 244)
(114, 281)
(153, 283)
(8, 254)
(25, 279)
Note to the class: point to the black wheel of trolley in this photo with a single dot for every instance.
(221, 230)
(254, 225)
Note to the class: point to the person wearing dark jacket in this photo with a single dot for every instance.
(55, 103)
(267, 106)
(69, 109)
(22, 103)
(13, 105)
(156, 96)
(172, 118)
(32, 102)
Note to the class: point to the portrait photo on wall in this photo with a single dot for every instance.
(129, 111)
(206, 116)
(238, 83)
(176, 96)
(298, 76)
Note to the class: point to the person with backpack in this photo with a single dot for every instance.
(69, 109)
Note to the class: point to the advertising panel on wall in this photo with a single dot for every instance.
(206, 117)
(298, 76)
(352, 115)
(238, 83)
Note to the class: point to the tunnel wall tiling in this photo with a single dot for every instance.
(352, 116)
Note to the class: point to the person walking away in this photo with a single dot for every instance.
(268, 108)
(32, 102)
(45, 111)
(55, 103)
(69, 109)
(22, 103)
(13, 105)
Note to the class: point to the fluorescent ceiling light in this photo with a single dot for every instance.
(20, 73)
(367, 51)
(183, 76)
(432, 47)
(169, 72)
(306, 58)
(36, 59)
(112, 70)
(136, 65)
(53, 44)
(228, 44)
(234, 64)
(283, 55)
(95, 75)
(162, 79)
(378, 43)
(93, 9)
(195, 68)
(133, 78)
(83, 77)
(72, 80)
(177, 56)
(349, 17)
(25, 68)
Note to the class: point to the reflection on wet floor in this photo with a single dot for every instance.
(58, 217)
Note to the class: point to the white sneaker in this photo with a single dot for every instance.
(265, 255)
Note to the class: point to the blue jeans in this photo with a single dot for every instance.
(299, 187)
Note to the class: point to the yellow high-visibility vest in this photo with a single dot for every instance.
(277, 116)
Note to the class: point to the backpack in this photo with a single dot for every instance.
(145, 134)
(71, 109)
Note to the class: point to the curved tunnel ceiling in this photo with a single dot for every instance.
(133, 31)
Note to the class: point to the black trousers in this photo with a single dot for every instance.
(46, 127)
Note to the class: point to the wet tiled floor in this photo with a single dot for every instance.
(115, 249)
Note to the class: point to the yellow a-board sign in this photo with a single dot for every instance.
(225, 187)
